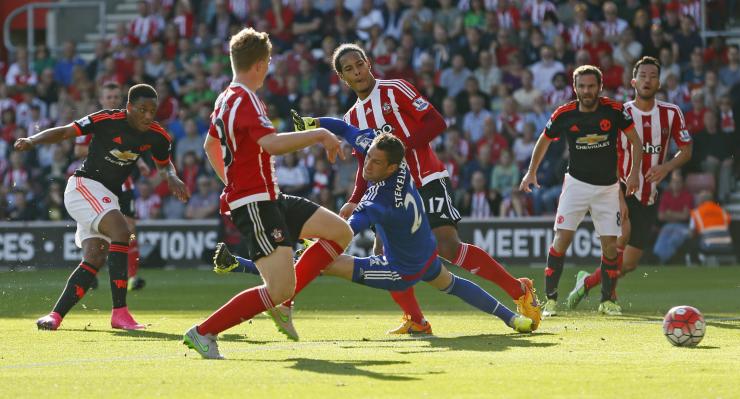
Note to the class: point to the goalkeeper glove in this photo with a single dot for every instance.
(303, 123)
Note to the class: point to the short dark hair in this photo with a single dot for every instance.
(141, 91)
(344, 49)
(392, 146)
(646, 60)
(587, 70)
(112, 86)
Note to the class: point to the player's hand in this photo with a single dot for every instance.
(333, 146)
(347, 210)
(144, 169)
(624, 210)
(303, 123)
(178, 188)
(23, 144)
(529, 179)
(633, 183)
(657, 173)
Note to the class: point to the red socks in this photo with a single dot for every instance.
(133, 258)
(594, 278)
(315, 259)
(479, 262)
(243, 306)
(406, 300)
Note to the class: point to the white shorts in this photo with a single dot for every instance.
(579, 197)
(87, 201)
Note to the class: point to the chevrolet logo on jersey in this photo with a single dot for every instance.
(592, 139)
(125, 156)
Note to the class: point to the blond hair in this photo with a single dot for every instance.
(248, 47)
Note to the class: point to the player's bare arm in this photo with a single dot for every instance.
(282, 143)
(48, 136)
(633, 180)
(658, 172)
(177, 187)
(530, 178)
(215, 157)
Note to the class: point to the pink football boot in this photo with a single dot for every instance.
(49, 322)
(121, 318)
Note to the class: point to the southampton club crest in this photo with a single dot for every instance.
(277, 235)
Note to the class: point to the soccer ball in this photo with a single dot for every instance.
(684, 326)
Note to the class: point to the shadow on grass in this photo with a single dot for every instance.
(344, 367)
(479, 343)
(142, 335)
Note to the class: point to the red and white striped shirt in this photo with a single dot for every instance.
(692, 8)
(655, 127)
(536, 10)
(238, 121)
(395, 106)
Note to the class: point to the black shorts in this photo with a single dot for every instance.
(126, 202)
(642, 220)
(266, 225)
(438, 203)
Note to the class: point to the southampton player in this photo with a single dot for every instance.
(656, 123)
(395, 106)
(392, 205)
(591, 126)
(110, 98)
(119, 137)
(240, 146)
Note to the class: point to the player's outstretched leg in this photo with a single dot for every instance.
(77, 285)
(413, 321)
(121, 318)
(224, 262)
(552, 276)
(477, 297)
(477, 261)
(204, 344)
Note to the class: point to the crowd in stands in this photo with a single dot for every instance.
(495, 69)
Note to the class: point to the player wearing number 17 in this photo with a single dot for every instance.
(591, 126)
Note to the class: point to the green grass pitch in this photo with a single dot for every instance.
(345, 353)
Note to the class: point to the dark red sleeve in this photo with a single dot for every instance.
(360, 182)
(432, 125)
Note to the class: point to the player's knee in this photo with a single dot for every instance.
(281, 291)
(341, 234)
(96, 258)
(447, 247)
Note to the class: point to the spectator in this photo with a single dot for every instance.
(472, 89)
(710, 225)
(544, 71)
(368, 17)
(686, 41)
(505, 176)
(673, 212)
(694, 75)
(307, 23)
(523, 146)
(479, 202)
(293, 176)
(219, 24)
(729, 74)
(713, 90)
(525, 96)
(487, 74)
(453, 78)
(148, 204)
(204, 203)
(628, 50)
(418, 20)
(19, 208)
(611, 73)
(474, 119)
(143, 28)
(19, 74)
(393, 12)
(449, 18)
(613, 26)
(17, 175)
(714, 152)
(695, 117)
(509, 122)
(481, 163)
